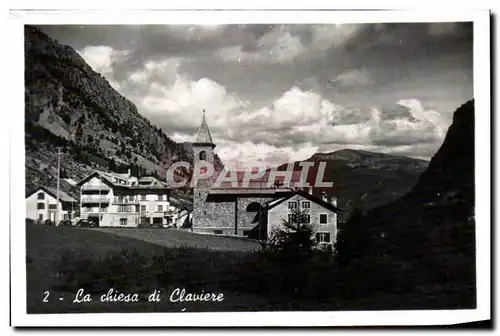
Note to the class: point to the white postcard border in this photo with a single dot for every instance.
(15, 92)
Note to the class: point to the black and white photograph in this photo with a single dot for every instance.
(321, 164)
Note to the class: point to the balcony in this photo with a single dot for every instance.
(126, 200)
(95, 199)
(93, 210)
(96, 187)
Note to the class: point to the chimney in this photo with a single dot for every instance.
(324, 197)
(334, 201)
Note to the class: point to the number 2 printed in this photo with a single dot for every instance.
(46, 293)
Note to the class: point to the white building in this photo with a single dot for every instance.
(122, 200)
(42, 205)
(318, 212)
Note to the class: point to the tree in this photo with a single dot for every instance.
(295, 235)
(355, 238)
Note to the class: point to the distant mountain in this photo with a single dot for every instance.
(67, 104)
(373, 178)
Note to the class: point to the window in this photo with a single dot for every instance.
(143, 208)
(218, 231)
(65, 216)
(41, 196)
(157, 220)
(40, 206)
(306, 205)
(160, 208)
(203, 156)
(323, 219)
(323, 237)
(299, 218)
(160, 197)
(123, 221)
(40, 217)
(292, 205)
(143, 197)
(123, 208)
(52, 206)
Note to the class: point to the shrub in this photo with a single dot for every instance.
(65, 223)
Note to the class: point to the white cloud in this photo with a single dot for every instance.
(100, 59)
(248, 154)
(293, 127)
(424, 126)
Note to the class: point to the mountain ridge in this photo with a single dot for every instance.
(69, 105)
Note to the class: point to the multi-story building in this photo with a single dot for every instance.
(42, 205)
(122, 200)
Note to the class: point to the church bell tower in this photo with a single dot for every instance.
(203, 150)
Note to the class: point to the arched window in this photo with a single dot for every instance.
(253, 207)
(203, 155)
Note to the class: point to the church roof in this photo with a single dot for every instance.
(204, 133)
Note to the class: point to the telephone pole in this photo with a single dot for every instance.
(59, 153)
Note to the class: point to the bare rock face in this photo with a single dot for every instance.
(68, 104)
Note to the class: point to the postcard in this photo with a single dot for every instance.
(250, 168)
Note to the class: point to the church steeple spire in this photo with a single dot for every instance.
(204, 136)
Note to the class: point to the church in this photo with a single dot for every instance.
(253, 210)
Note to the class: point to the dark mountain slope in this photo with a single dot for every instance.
(68, 104)
(444, 193)
(431, 229)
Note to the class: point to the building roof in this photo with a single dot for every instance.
(308, 196)
(203, 135)
(132, 183)
(63, 196)
(233, 179)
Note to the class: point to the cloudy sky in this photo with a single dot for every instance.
(275, 93)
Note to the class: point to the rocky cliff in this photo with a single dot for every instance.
(69, 105)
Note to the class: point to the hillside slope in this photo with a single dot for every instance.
(67, 104)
